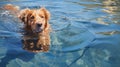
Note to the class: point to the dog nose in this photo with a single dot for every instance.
(39, 25)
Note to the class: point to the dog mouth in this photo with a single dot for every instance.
(38, 30)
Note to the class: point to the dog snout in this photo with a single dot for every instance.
(39, 25)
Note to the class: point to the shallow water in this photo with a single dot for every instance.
(85, 34)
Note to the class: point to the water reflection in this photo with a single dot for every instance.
(35, 42)
(109, 33)
(111, 9)
(111, 6)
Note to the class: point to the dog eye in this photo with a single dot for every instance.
(42, 16)
(23, 19)
(32, 17)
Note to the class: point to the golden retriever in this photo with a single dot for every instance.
(36, 25)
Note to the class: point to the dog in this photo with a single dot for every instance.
(36, 26)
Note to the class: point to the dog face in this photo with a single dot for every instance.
(35, 20)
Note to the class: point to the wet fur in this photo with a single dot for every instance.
(31, 17)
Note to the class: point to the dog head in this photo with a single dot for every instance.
(35, 20)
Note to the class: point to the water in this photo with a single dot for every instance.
(85, 34)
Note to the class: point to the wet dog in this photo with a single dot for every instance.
(36, 26)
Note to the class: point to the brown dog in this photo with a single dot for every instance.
(36, 25)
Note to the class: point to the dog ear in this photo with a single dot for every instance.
(47, 17)
(23, 15)
(46, 12)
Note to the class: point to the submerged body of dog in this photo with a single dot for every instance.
(36, 26)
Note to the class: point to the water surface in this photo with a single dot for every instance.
(86, 33)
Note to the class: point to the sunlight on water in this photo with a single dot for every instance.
(85, 33)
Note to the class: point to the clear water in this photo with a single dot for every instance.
(86, 33)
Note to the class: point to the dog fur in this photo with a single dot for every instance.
(36, 26)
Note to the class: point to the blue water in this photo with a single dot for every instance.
(86, 33)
